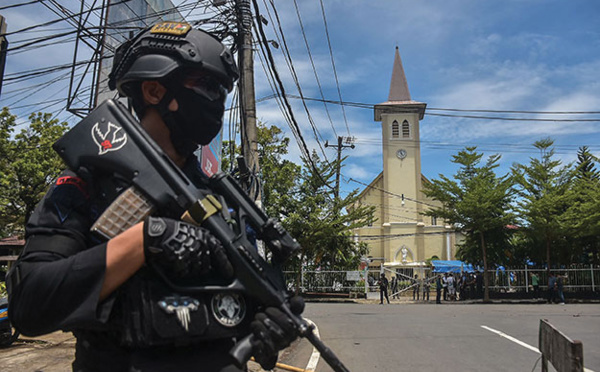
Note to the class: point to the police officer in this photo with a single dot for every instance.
(107, 292)
(383, 289)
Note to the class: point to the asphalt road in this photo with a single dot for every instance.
(398, 337)
(447, 337)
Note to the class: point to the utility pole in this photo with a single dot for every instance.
(3, 49)
(247, 94)
(349, 142)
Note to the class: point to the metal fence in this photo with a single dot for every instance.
(576, 278)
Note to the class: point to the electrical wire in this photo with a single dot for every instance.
(372, 106)
(29, 43)
(54, 21)
(512, 119)
(312, 62)
(389, 193)
(40, 40)
(10, 79)
(288, 59)
(300, 139)
(21, 4)
(337, 83)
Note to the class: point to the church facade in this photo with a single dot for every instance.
(401, 236)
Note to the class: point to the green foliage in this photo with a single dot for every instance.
(279, 175)
(556, 207)
(543, 187)
(303, 201)
(28, 165)
(586, 168)
(581, 220)
(476, 202)
(322, 224)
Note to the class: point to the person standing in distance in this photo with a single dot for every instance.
(383, 289)
(108, 293)
(535, 283)
(438, 289)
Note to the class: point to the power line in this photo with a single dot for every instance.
(337, 83)
(516, 111)
(372, 106)
(512, 119)
(312, 62)
(67, 18)
(288, 58)
(391, 193)
(40, 40)
(21, 4)
(295, 126)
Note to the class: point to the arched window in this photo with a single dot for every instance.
(405, 129)
(395, 129)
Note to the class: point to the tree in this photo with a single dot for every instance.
(28, 166)
(323, 225)
(475, 201)
(277, 174)
(542, 189)
(302, 199)
(585, 169)
(581, 220)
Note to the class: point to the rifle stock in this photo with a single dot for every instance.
(159, 183)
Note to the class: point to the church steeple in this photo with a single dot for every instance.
(398, 86)
(399, 100)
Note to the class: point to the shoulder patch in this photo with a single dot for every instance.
(68, 194)
(75, 181)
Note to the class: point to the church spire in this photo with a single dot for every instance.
(399, 99)
(399, 86)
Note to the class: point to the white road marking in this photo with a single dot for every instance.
(502, 334)
(314, 358)
(525, 345)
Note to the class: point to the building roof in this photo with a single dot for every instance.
(399, 99)
(399, 85)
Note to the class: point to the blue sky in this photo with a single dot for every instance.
(512, 55)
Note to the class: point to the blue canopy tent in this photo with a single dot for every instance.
(451, 266)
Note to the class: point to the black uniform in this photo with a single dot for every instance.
(57, 280)
(383, 289)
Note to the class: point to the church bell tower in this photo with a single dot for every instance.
(408, 237)
(399, 118)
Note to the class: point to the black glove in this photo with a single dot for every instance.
(184, 250)
(273, 331)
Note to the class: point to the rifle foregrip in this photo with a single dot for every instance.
(334, 362)
(242, 351)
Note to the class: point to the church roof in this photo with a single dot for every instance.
(399, 86)
(399, 99)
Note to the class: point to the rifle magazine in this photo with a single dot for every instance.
(126, 210)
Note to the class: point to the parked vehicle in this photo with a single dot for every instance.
(8, 334)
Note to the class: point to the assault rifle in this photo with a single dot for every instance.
(111, 139)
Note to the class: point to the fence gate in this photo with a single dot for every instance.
(405, 276)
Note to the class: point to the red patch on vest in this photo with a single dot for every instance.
(75, 181)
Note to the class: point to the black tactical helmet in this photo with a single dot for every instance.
(165, 48)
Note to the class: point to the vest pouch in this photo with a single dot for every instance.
(154, 315)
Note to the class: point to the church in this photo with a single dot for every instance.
(401, 238)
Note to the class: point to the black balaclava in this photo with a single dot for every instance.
(197, 120)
